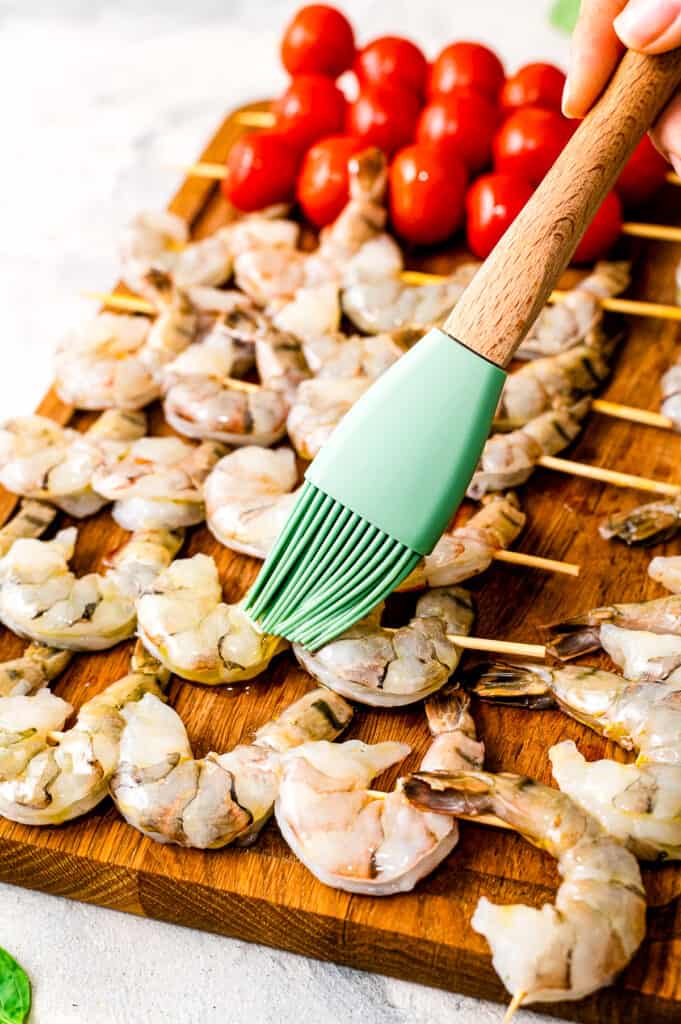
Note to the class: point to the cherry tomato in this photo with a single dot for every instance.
(529, 141)
(323, 188)
(643, 174)
(534, 85)
(467, 64)
(261, 171)
(320, 41)
(312, 107)
(602, 232)
(492, 203)
(383, 116)
(394, 60)
(426, 194)
(463, 122)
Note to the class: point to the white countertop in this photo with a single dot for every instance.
(102, 102)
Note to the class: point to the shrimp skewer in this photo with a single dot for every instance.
(364, 841)
(509, 459)
(48, 777)
(41, 599)
(637, 803)
(183, 621)
(387, 303)
(162, 791)
(42, 460)
(391, 668)
(652, 523)
(579, 944)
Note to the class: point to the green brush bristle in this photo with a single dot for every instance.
(328, 569)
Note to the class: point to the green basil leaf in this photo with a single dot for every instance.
(15, 991)
(564, 14)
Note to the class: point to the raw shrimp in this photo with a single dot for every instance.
(281, 363)
(591, 630)
(100, 365)
(34, 670)
(508, 460)
(249, 495)
(65, 774)
(387, 303)
(652, 523)
(318, 408)
(176, 325)
(365, 841)
(184, 622)
(150, 238)
(31, 520)
(162, 791)
(45, 461)
(576, 318)
(345, 357)
(41, 599)
(671, 394)
(313, 312)
(550, 382)
(219, 409)
(667, 571)
(637, 803)
(390, 668)
(157, 482)
(579, 944)
(468, 550)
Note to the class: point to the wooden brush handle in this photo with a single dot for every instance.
(513, 284)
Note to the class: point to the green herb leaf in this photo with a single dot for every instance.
(15, 991)
(564, 14)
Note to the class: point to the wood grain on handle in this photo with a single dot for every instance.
(508, 292)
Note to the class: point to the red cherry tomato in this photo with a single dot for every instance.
(462, 122)
(383, 116)
(643, 174)
(602, 232)
(534, 85)
(323, 188)
(492, 203)
(320, 41)
(529, 141)
(394, 60)
(467, 64)
(261, 171)
(311, 107)
(426, 194)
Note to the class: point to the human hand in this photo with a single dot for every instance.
(603, 30)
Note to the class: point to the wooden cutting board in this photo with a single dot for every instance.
(264, 894)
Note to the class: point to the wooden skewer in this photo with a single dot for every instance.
(511, 647)
(513, 1006)
(255, 118)
(536, 562)
(661, 232)
(673, 179)
(631, 307)
(608, 476)
(628, 412)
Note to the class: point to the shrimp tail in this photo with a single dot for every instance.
(527, 686)
(457, 793)
(653, 523)
(447, 711)
(571, 644)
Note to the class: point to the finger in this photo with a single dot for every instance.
(667, 133)
(651, 26)
(596, 50)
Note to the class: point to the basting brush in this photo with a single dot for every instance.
(380, 493)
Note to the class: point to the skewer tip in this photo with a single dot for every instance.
(514, 1006)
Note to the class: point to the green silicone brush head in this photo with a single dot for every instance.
(380, 493)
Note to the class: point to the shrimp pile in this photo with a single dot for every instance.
(47, 776)
(42, 600)
(162, 791)
(640, 803)
(365, 841)
(183, 621)
(570, 948)
(508, 460)
(390, 668)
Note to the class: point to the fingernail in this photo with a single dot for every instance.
(643, 21)
(567, 97)
(675, 161)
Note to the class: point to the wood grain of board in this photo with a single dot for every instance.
(264, 894)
